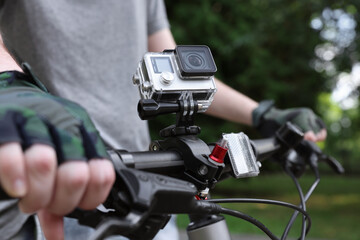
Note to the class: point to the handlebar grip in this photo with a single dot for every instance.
(263, 148)
(162, 162)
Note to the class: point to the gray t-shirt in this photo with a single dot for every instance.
(86, 51)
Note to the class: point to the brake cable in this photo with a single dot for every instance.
(262, 201)
(313, 165)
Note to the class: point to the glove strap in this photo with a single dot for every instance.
(258, 113)
(32, 77)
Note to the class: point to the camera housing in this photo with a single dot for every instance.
(185, 73)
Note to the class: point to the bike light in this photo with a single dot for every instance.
(242, 158)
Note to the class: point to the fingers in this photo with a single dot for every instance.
(311, 136)
(102, 177)
(34, 177)
(12, 170)
(51, 225)
(81, 184)
(56, 191)
(78, 184)
(71, 182)
(322, 135)
(40, 164)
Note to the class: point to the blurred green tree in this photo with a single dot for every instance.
(337, 58)
(265, 49)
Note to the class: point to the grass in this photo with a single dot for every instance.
(334, 207)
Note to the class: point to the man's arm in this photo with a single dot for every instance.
(228, 103)
(232, 105)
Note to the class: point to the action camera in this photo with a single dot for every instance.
(185, 73)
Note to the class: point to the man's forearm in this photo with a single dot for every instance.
(232, 105)
(229, 104)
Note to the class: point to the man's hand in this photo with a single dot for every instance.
(267, 119)
(51, 156)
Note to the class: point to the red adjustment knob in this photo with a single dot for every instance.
(219, 152)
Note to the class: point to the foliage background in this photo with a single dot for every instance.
(266, 49)
(270, 49)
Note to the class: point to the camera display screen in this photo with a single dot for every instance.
(161, 64)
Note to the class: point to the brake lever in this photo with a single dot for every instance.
(139, 225)
(110, 227)
(128, 226)
(142, 202)
(311, 152)
(333, 163)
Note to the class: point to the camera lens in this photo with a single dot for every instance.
(195, 60)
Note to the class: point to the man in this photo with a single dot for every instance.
(85, 52)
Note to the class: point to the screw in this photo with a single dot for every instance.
(203, 170)
(154, 146)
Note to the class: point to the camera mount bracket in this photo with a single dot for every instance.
(185, 114)
(184, 121)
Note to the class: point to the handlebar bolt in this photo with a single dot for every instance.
(154, 146)
(203, 170)
(218, 153)
(259, 164)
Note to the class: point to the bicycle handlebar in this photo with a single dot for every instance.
(151, 161)
(142, 199)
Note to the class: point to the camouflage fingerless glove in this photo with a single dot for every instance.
(29, 115)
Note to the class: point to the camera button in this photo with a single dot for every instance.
(166, 78)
